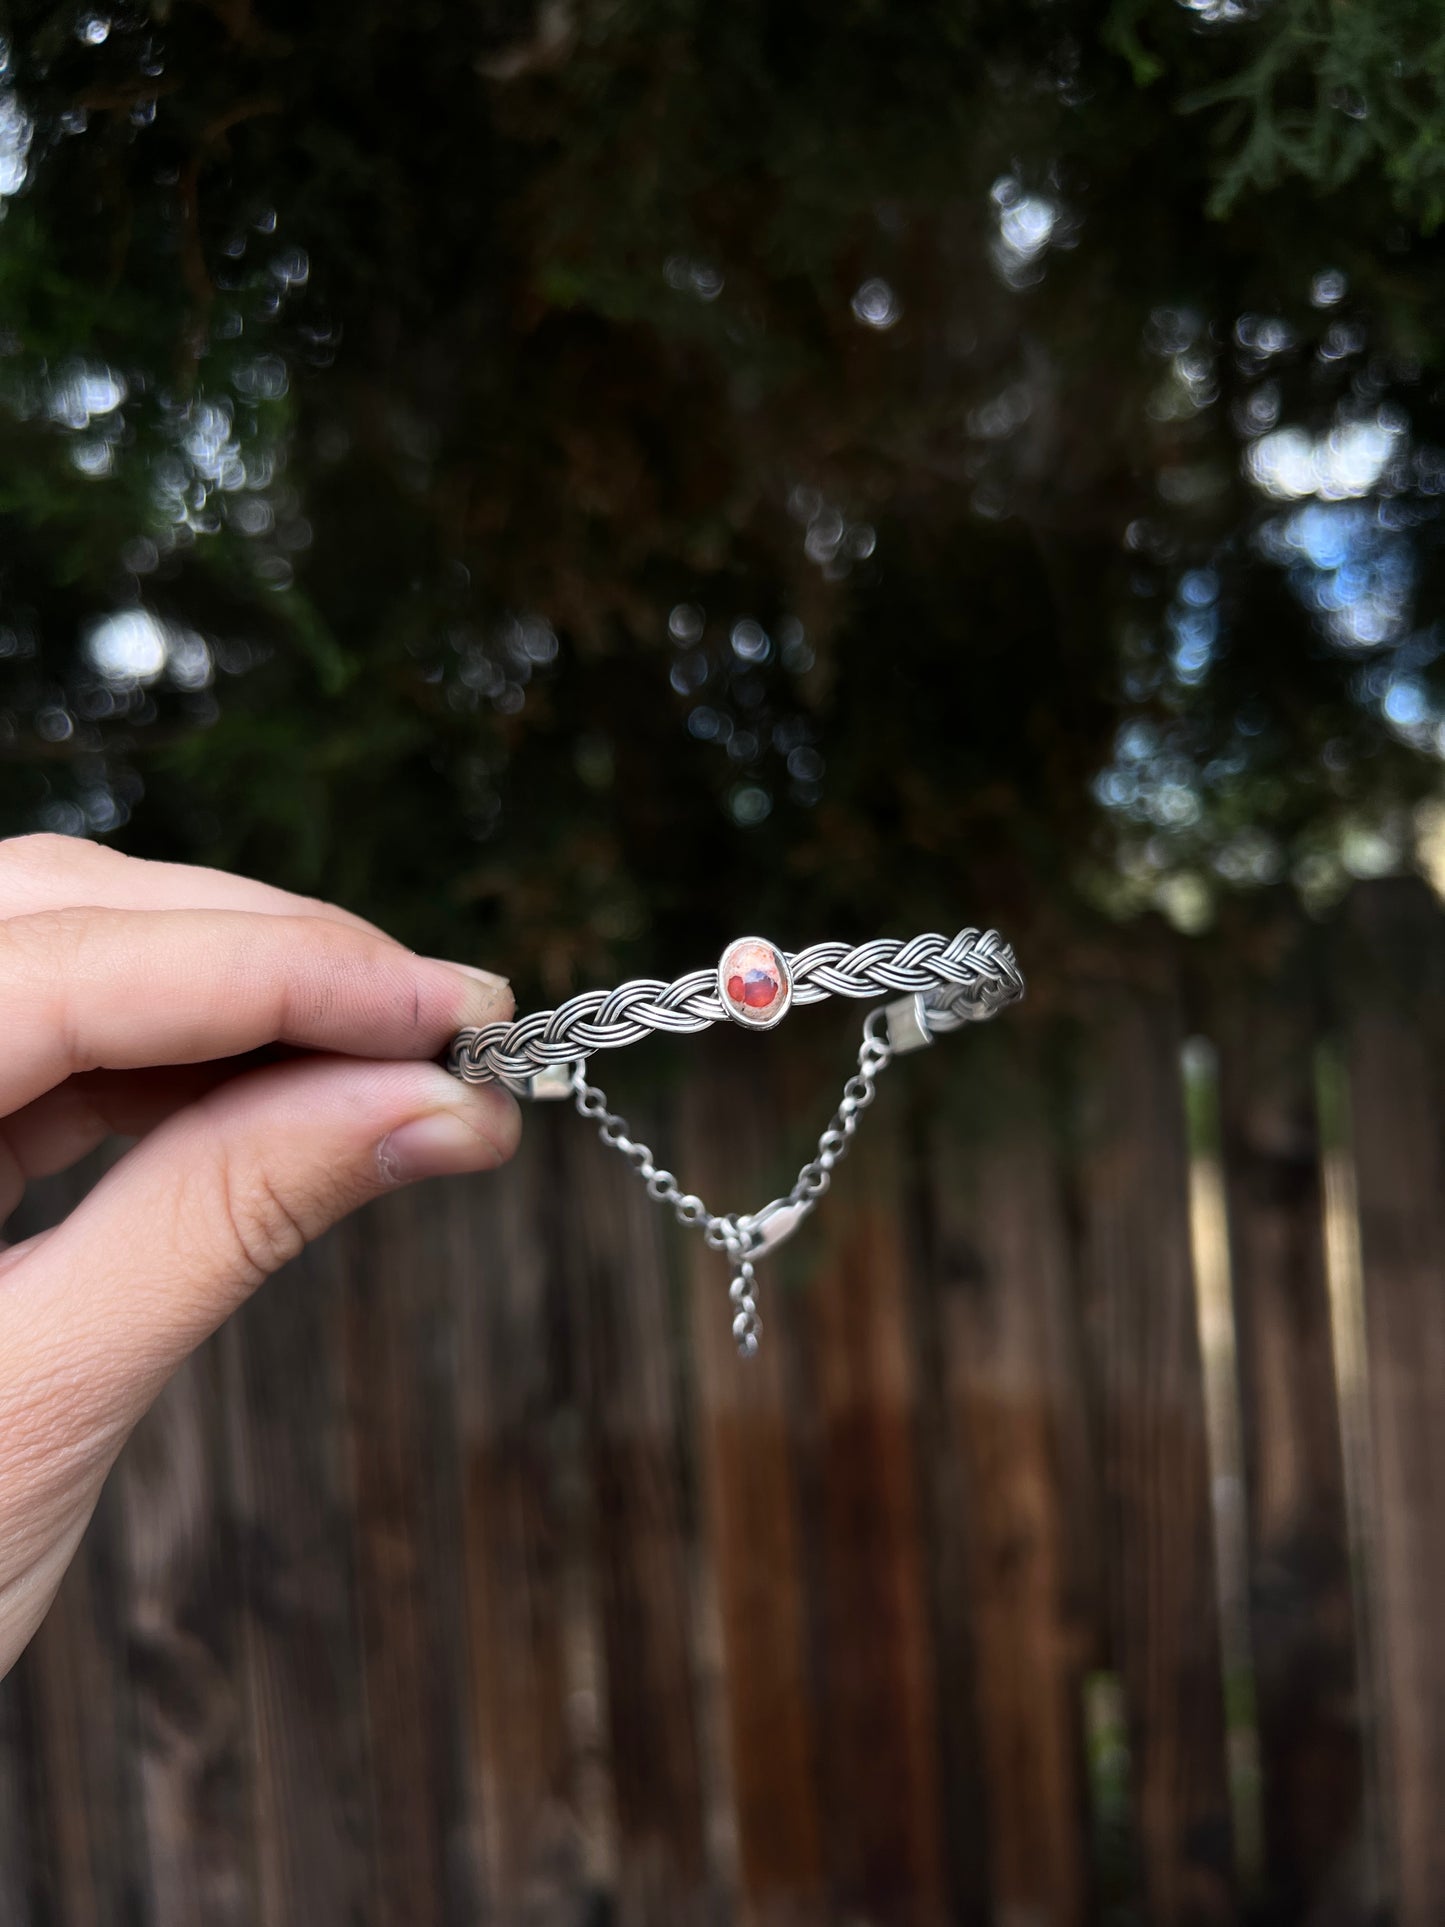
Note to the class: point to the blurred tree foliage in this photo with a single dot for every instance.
(575, 480)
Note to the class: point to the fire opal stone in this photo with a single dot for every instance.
(752, 978)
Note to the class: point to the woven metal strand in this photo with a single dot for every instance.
(960, 979)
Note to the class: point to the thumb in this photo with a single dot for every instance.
(190, 1221)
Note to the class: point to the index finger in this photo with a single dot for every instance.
(51, 872)
(99, 989)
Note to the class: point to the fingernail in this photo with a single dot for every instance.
(487, 977)
(434, 1147)
(484, 998)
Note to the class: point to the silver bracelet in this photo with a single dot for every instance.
(945, 982)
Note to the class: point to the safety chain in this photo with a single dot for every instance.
(744, 1237)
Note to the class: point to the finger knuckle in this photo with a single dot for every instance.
(47, 955)
(264, 1229)
(350, 970)
(51, 933)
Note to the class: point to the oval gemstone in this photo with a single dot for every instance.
(752, 978)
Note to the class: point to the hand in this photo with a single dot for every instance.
(146, 1000)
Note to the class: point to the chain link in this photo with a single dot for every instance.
(743, 1236)
(874, 1056)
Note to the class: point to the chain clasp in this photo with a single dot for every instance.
(765, 1230)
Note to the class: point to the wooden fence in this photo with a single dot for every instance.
(1073, 1551)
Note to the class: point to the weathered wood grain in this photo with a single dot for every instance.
(398, 1345)
(519, 1446)
(875, 1678)
(745, 1428)
(1393, 986)
(290, 1498)
(1302, 1630)
(627, 1361)
(1147, 1386)
(1012, 1383)
(83, 1751)
(17, 1861)
(178, 1578)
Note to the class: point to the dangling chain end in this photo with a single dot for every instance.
(889, 1031)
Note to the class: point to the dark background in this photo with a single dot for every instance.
(577, 482)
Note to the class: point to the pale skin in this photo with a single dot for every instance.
(272, 1056)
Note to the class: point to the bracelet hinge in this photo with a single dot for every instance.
(554, 1081)
(908, 1024)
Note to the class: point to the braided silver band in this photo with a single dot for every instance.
(945, 983)
(962, 978)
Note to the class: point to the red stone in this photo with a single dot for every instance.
(759, 990)
(754, 980)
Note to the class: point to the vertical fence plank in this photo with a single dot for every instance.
(1301, 1614)
(944, 1479)
(1010, 1364)
(81, 1700)
(1393, 989)
(621, 1318)
(300, 1671)
(17, 1872)
(745, 1431)
(399, 1352)
(874, 1662)
(184, 1651)
(517, 1441)
(1158, 1548)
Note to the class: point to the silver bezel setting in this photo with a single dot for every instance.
(745, 1018)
